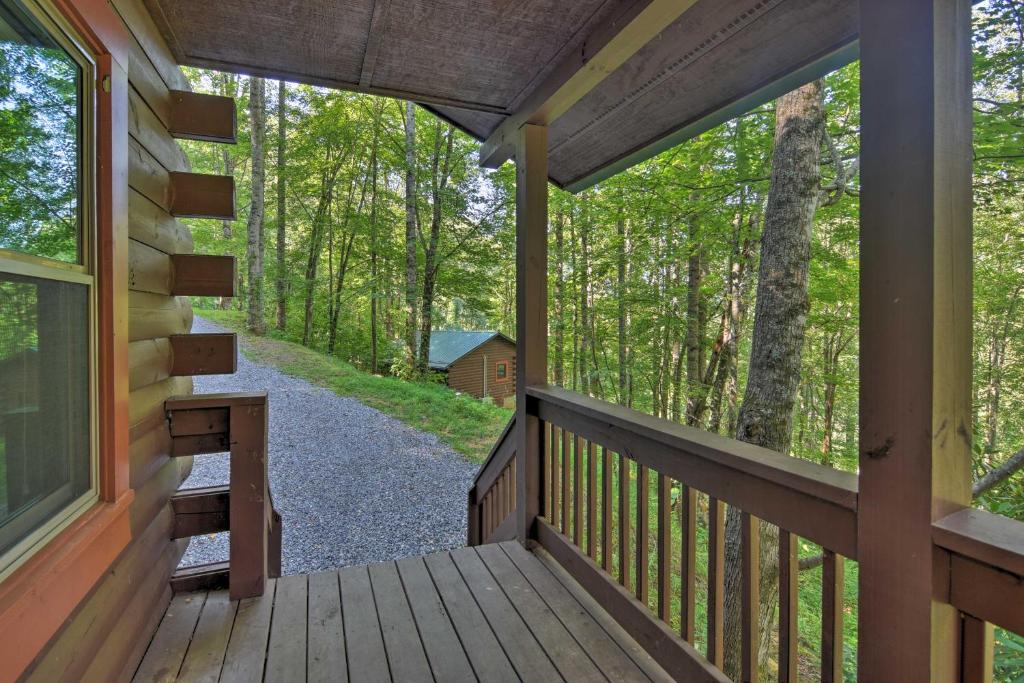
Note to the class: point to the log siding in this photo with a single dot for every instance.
(468, 373)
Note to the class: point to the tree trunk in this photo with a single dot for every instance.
(410, 234)
(440, 170)
(254, 231)
(560, 299)
(282, 289)
(620, 291)
(584, 294)
(373, 238)
(347, 240)
(780, 321)
(328, 179)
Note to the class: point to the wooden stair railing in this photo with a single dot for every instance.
(236, 423)
(492, 498)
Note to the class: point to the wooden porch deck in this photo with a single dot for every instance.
(493, 613)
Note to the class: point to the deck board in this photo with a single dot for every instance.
(325, 656)
(495, 613)
(205, 654)
(246, 655)
(448, 659)
(406, 658)
(367, 658)
(286, 652)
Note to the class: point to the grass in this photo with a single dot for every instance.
(468, 425)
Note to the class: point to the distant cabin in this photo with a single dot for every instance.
(476, 363)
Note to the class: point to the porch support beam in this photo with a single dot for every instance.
(531, 317)
(916, 290)
(608, 46)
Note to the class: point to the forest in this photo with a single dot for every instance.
(365, 224)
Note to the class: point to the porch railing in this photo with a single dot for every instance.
(607, 470)
(492, 498)
(234, 423)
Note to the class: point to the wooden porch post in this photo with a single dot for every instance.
(916, 291)
(531, 316)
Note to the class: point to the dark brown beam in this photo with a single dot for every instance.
(201, 511)
(195, 116)
(608, 46)
(203, 577)
(198, 195)
(204, 354)
(200, 275)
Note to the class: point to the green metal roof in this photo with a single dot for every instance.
(447, 346)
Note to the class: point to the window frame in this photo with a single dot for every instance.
(497, 376)
(82, 273)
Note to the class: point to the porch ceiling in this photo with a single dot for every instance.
(477, 62)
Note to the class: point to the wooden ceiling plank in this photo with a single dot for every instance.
(294, 77)
(374, 40)
(605, 50)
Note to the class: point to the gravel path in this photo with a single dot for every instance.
(353, 485)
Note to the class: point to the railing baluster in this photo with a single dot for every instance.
(643, 537)
(831, 617)
(555, 481)
(664, 548)
(789, 582)
(977, 648)
(751, 572)
(511, 487)
(716, 581)
(687, 562)
(624, 522)
(577, 489)
(546, 465)
(606, 510)
(565, 482)
(591, 501)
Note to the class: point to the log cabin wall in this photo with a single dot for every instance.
(110, 629)
(467, 373)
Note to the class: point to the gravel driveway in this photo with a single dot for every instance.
(353, 485)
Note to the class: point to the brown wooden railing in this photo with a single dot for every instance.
(627, 499)
(492, 498)
(234, 423)
(608, 470)
(984, 555)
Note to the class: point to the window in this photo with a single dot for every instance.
(501, 370)
(47, 406)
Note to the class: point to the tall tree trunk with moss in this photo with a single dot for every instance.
(254, 232)
(282, 234)
(780, 322)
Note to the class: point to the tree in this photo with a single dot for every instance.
(254, 232)
(282, 231)
(780, 321)
(411, 223)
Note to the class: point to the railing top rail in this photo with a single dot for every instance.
(982, 536)
(497, 459)
(834, 486)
